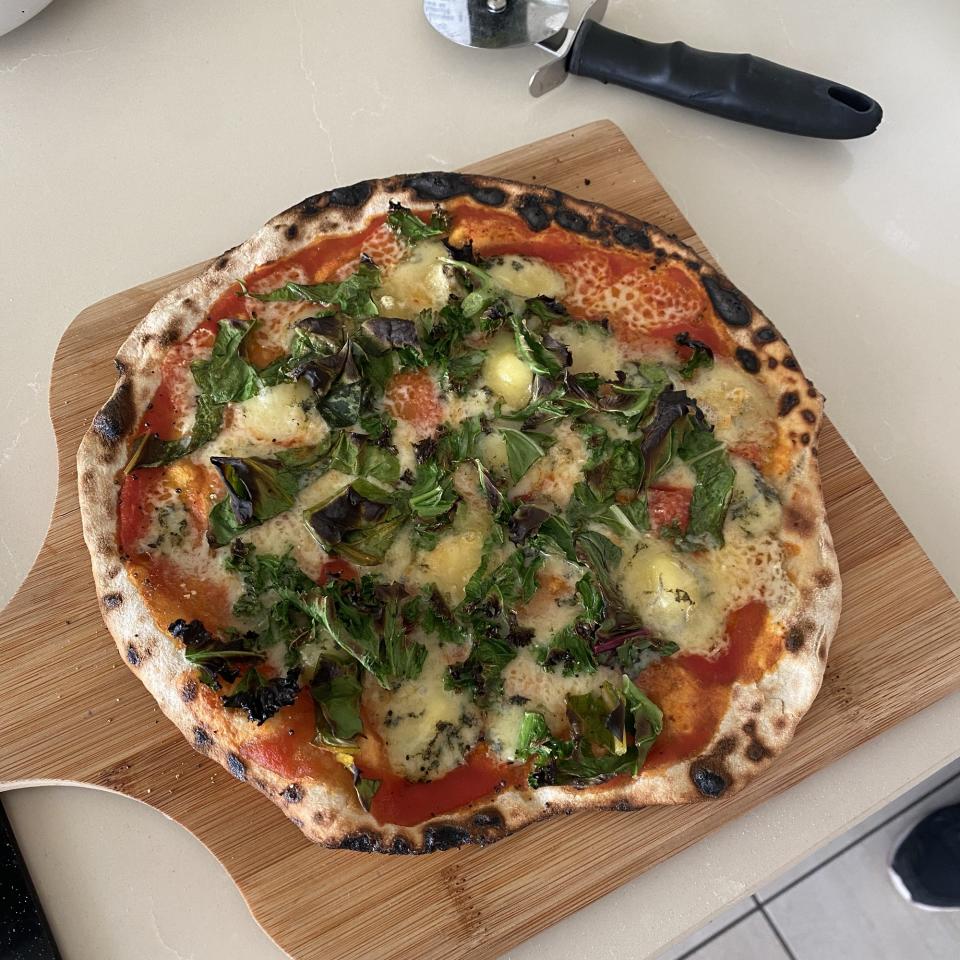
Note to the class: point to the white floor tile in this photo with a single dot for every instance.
(828, 850)
(849, 909)
(750, 939)
(729, 916)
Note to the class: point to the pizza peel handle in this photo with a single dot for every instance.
(737, 86)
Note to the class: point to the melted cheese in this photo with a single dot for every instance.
(505, 373)
(493, 453)
(735, 403)
(592, 350)
(450, 564)
(754, 506)
(554, 605)
(545, 691)
(527, 277)
(419, 282)
(282, 414)
(556, 473)
(426, 729)
(665, 590)
(502, 732)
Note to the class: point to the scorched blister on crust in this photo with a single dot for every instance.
(767, 690)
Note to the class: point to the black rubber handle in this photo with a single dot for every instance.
(737, 86)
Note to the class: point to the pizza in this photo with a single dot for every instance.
(445, 504)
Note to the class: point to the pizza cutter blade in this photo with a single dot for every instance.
(737, 86)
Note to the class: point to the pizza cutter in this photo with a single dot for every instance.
(737, 86)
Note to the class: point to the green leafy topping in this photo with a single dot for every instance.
(261, 698)
(568, 650)
(223, 378)
(352, 296)
(432, 494)
(366, 790)
(336, 693)
(366, 620)
(620, 468)
(257, 489)
(359, 523)
(708, 458)
(533, 350)
(524, 449)
(701, 357)
(413, 228)
(611, 732)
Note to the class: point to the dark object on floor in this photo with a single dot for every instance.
(926, 865)
(24, 932)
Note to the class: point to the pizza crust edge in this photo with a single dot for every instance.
(761, 717)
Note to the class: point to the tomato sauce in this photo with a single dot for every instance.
(172, 593)
(284, 744)
(412, 396)
(694, 691)
(166, 410)
(402, 802)
(319, 261)
(669, 505)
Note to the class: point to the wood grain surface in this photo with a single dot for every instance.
(72, 711)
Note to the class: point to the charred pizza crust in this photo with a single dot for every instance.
(761, 717)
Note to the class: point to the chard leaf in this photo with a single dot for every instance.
(708, 458)
(484, 293)
(664, 434)
(702, 355)
(601, 556)
(602, 726)
(556, 531)
(257, 489)
(352, 295)
(527, 519)
(534, 737)
(226, 377)
(340, 405)
(620, 469)
(647, 719)
(480, 673)
(523, 450)
(337, 700)
(413, 228)
(386, 333)
(366, 790)
(432, 494)
(600, 718)
(488, 487)
(358, 523)
(546, 309)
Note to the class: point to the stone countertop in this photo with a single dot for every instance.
(138, 137)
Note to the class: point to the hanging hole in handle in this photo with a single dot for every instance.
(850, 98)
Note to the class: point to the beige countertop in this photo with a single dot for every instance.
(137, 137)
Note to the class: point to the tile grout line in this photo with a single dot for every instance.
(852, 844)
(718, 933)
(781, 939)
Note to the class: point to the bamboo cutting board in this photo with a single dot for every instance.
(72, 711)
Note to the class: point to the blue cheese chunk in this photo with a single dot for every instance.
(426, 729)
